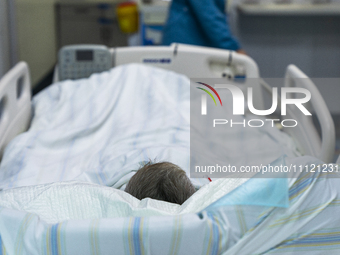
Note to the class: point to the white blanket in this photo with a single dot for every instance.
(100, 129)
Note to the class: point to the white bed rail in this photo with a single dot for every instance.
(306, 135)
(194, 62)
(15, 103)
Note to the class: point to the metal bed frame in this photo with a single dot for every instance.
(194, 62)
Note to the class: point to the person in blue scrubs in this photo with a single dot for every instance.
(199, 22)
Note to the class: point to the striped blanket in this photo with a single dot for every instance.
(97, 131)
(310, 225)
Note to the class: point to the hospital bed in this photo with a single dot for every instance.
(83, 218)
(194, 62)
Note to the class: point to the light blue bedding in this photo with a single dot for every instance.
(97, 131)
(310, 225)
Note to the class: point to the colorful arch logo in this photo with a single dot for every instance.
(209, 93)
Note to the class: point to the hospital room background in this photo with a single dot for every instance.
(275, 33)
(62, 183)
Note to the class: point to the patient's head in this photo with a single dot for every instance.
(163, 181)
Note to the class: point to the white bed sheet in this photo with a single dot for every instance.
(100, 129)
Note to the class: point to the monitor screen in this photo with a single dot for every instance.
(84, 55)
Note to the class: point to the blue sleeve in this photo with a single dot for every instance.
(213, 22)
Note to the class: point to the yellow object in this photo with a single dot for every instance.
(127, 14)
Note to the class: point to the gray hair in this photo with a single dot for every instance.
(162, 181)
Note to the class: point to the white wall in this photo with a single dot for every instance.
(35, 33)
(4, 39)
(36, 36)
